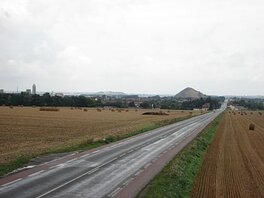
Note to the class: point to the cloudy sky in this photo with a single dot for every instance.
(134, 46)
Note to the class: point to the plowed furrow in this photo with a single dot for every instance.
(233, 165)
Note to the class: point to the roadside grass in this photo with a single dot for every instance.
(177, 178)
(86, 145)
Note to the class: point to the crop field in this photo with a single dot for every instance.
(234, 163)
(29, 131)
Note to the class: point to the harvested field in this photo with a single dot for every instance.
(28, 131)
(234, 163)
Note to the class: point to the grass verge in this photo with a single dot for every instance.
(177, 178)
(87, 144)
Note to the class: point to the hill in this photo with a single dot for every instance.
(190, 93)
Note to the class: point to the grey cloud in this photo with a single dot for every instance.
(156, 46)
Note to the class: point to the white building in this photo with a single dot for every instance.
(34, 89)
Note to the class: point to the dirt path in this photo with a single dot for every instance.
(234, 164)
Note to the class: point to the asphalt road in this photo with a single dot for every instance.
(104, 171)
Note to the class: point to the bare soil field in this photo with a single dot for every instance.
(234, 163)
(27, 131)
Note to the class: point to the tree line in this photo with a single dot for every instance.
(253, 104)
(82, 101)
(48, 100)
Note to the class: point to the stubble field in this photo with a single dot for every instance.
(27, 131)
(234, 163)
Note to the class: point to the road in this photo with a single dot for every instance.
(107, 171)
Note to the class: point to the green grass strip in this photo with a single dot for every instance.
(177, 178)
(87, 144)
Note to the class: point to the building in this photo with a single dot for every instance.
(206, 107)
(28, 91)
(53, 94)
(34, 89)
(59, 94)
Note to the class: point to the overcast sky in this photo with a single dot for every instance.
(134, 46)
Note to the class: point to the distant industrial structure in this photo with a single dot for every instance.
(1, 91)
(28, 91)
(34, 89)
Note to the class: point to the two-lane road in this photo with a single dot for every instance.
(105, 171)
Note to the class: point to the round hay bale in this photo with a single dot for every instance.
(251, 127)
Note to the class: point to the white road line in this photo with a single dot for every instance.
(58, 159)
(66, 183)
(28, 167)
(115, 192)
(147, 165)
(71, 160)
(128, 181)
(103, 164)
(156, 142)
(9, 183)
(58, 166)
(96, 151)
(86, 155)
(122, 155)
(92, 171)
(137, 173)
(36, 173)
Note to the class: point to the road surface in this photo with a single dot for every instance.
(120, 169)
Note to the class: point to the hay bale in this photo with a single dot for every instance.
(155, 113)
(85, 110)
(251, 127)
(99, 110)
(49, 109)
(11, 107)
